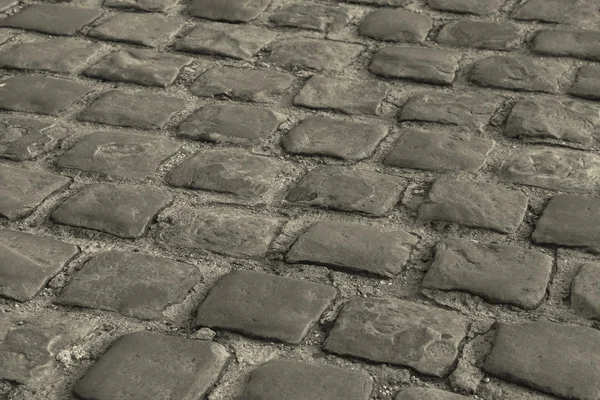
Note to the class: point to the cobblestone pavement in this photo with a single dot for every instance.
(300, 200)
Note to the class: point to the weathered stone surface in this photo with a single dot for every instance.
(217, 39)
(233, 233)
(391, 3)
(231, 171)
(428, 394)
(428, 150)
(518, 73)
(396, 26)
(138, 110)
(482, 35)
(116, 153)
(143, 29)
(585, 45)
(231, 123)
(290, 380)
(475, 204)
(555, 169)
(350, 96)
(476, 7)
(62, 55)
(312, 16)
(399, 332)
(27, 138)
(353, 247)
(29, 345)
(322, 136)
(228, 10)
(114, 278)
(5, 36)
(142, 5)
(348, 189)
(40, 94)
(55, 19)
(470, 109)
(123, 211)
(28, 262)
(146, 365)
(566, 120)
(315, 54)
(6, 4)
(499, 390)
(587, 83)
(549, 357)
(570, 220)
(144, 67)
(498, 273)
(264, 305)
(21, 190)
(574, 12)
(257, 85)
(585, 291)
(422, 65)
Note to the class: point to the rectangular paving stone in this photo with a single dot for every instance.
(396, 26)
(142, 5)
(519, 73)
(433, 66)
(428, 394)
(573, 12)
(498, 273)
(570, 220)
(429, 150)
(317, 17)
(116, 153)
(40, 94)
(565, 120)
(582, 44)
(353, 247)
(114, 278)
(266, 306)
(558, 359)
(314, 54)
(476, 7)
(138, 110)
(475, 204)
(585, 297)
(143, 29)
(469, 109)
(231, 123)
(488, 35)
(217, 39)
(322, 136)
(229, 232)
(348, 189)
(255, 85)
(291, 380)
(144, 67)
(228, 10)
(146, 365)
(60, 55)
(27, 138)
(349, 96)
(399, 332)
(554, 168)
(55, 19)
(22, 190)
(230, 171)
(587, 83)
(120, 210)
(28, 262)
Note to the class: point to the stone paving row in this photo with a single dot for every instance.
(300, 200)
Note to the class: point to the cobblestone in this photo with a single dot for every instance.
(147, 365)
(122, 211)
(228, 10)
(26, 138)
(587, 83)
(481, 35)
(533, 354)
(582, 45)
(427, 394)
(475, 204)
(24, 190)
(344, 95)
(322, 136)
(142, 5)
(574, 12)
(348, 189)
(391, 3)
(263, 305)
(353, 247)
(311, 16)
(421, 65)
(55, 19)
(29, 262)
(424, 338)
(429, 150)
(498, 273)
(585, 296)
(314, 54)
(283, 379)
(396, 26)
